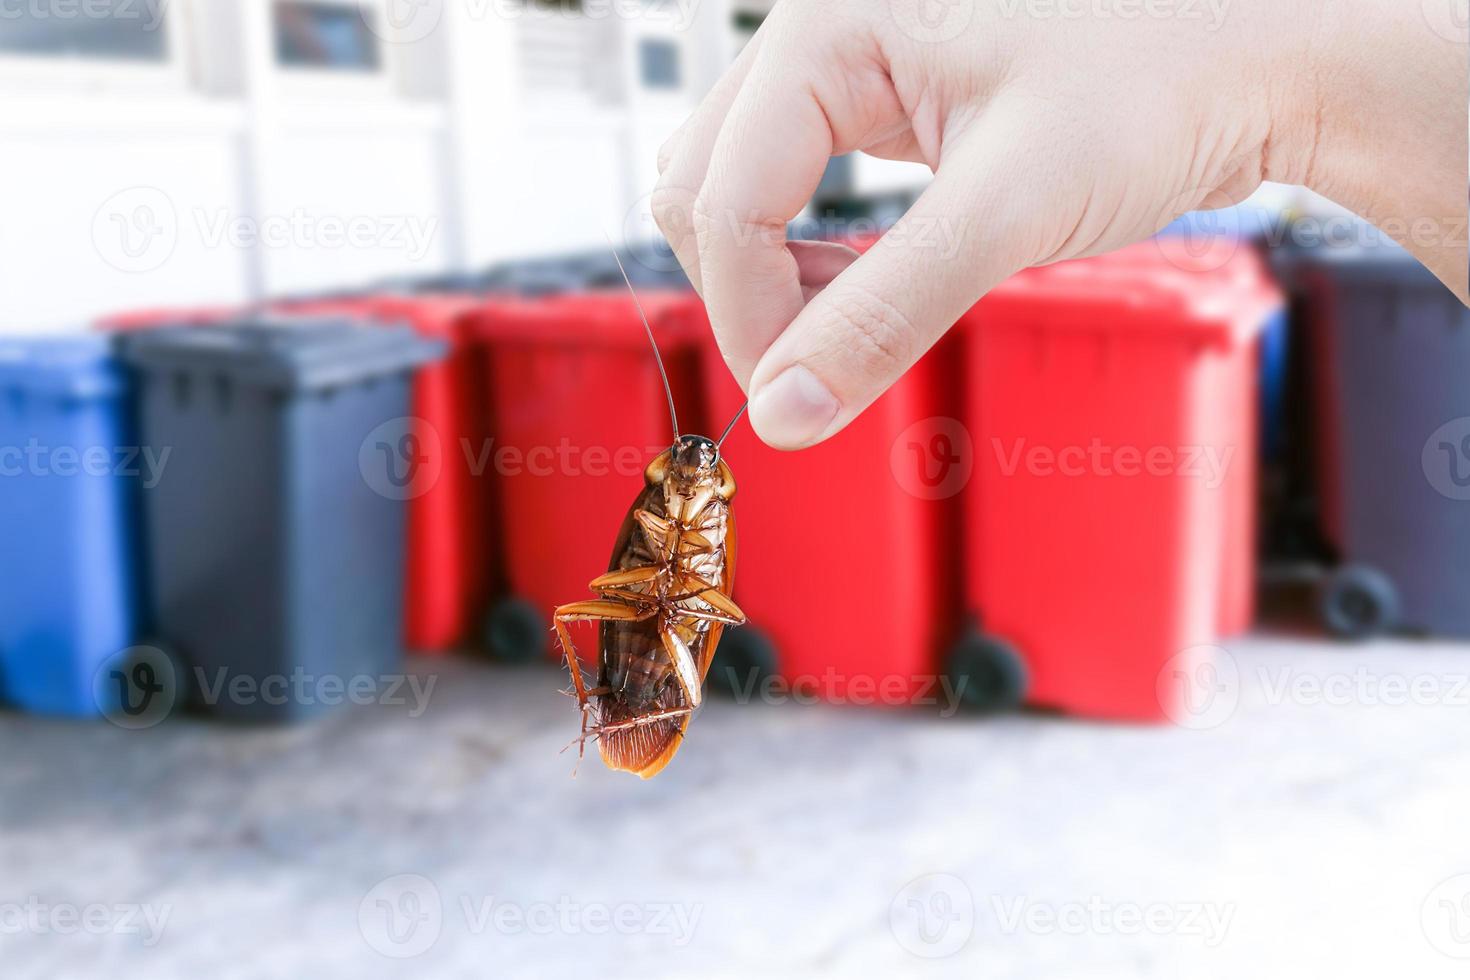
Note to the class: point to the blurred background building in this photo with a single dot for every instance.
(217, 151)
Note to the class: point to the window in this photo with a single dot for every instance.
(330, 36)
(659, 64)
(116, 30)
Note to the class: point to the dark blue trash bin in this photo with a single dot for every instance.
(650, 265)
(1391, 345)
(69, 468)
(277, 531)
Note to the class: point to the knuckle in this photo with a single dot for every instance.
(666, 154)
(671, 206)
(749, 228)
(882, 336)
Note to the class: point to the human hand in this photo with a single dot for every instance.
(1055, 129)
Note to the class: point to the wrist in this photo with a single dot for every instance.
(1374, 118)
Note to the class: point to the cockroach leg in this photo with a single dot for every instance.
(640, 721)
(708, 593)
(602, 610)
(686, 671)
(654, 527)
(628, 576)
(724, 604)
(627, 594)
(694, 543)
(593, 692)
(693, 584)
(701, 616)
(592, 609)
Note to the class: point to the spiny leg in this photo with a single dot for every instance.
(599, 610)
(622, 726)
(603, 610)
(628, 595)
(640, 721)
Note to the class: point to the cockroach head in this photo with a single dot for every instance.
(696, 454)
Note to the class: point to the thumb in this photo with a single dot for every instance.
(966, 233)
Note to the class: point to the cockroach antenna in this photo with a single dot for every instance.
(668, 390)
(731, 427)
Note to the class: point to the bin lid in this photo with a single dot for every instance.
(649, 265)
(1368, 257)
(171, 317)
(1108, 296)
(81, 366)
(606, 318)
(438, 315)
(285, 352)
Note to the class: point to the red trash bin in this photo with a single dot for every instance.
(849, 563)
(575, 413)
(1096, 525)
(162, 316)
(1235, 268)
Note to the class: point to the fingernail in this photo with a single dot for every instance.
(794, 410)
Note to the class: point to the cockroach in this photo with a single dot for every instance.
(663, 603)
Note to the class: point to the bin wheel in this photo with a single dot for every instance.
(745, 659)
(987, 673)
(515, 631)
(1359, 602)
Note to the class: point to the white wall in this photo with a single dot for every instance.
(491, 131)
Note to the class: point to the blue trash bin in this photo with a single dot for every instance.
(276, 533)
(69, 470)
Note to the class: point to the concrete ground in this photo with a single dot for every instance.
(1311, 823)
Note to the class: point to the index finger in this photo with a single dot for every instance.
(766, 164)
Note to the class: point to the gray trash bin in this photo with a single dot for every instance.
(1392, 348)
(276, 530)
